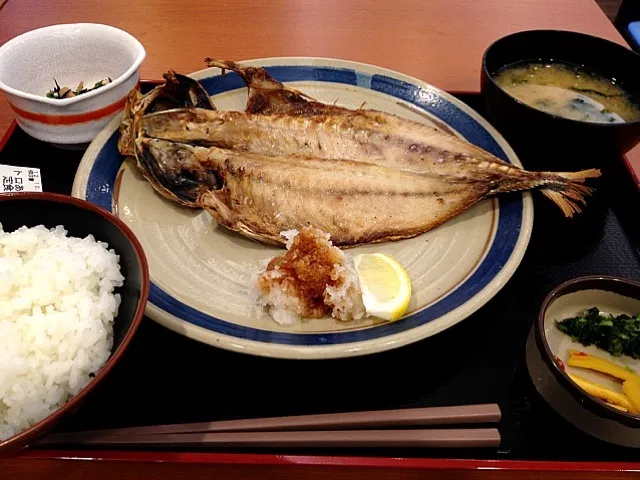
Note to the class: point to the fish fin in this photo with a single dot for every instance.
(568, 196)
(269, 96)
(265, 238)
(126, 127)
(568, 207)
(216, 203)
(254, 77)
(580, 177)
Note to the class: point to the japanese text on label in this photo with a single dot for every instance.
(20, 179)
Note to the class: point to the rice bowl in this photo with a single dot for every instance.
(57, 309)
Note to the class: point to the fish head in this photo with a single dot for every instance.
(175, 170)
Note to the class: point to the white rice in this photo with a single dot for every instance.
(57, 308)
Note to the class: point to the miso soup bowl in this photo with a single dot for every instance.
(70, 53)
(554, 142)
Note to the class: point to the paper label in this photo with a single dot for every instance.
(20, 179)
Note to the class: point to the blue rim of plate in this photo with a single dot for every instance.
(103, 174)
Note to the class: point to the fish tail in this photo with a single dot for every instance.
(568, 195)
(581, 176)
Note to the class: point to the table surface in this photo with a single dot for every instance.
(438, 41)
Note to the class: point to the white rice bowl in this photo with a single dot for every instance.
(57, 307)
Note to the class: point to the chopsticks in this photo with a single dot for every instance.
(454, 438)
(354, 429)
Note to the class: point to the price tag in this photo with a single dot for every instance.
(20, 179)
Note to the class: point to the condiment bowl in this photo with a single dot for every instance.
(611, 295)
(81, 218)
(70, 54)
(553, 142)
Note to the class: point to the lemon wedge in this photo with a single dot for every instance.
(385, 285)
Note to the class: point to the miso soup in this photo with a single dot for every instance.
(569, 91)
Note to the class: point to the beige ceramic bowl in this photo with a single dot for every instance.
(70, 53)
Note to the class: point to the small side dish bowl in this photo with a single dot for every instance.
(70, 54)
(81, 218)
(552, 138)
(611, 295)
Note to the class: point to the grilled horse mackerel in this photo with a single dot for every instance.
(289, 161)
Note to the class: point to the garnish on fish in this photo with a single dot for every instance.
(385, 284)
(311, 280)
(289, 161)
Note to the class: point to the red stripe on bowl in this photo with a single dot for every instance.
(70, 119)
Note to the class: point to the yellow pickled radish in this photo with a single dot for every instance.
(631, 388)
(385, 285)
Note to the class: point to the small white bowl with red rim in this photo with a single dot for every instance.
(70, 53)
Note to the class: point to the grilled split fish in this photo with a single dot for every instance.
(356, 202)
(289, 161)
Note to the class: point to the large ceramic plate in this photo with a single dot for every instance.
(201, 272)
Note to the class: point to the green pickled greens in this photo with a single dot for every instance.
(618, 335)
(66, 92)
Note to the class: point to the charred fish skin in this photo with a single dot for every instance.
(178, 91)
(183, 91)
(174, 173)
